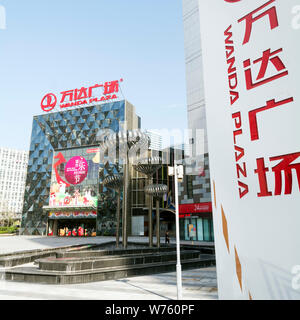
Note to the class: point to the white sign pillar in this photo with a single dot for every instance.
(251, 53)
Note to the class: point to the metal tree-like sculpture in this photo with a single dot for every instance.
(148, 167)
(115, 182)
(127, 144)
(157, 191)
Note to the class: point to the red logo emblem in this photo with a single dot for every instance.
(48, 102)
(232, 1)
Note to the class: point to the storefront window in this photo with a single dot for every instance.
(212, 230)
(196, 229)
(206, 228)
(200, 229)
(186, 229)
(182, 229)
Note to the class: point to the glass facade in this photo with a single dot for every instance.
(196, 229)
(70, 129)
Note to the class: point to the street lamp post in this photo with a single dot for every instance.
(125, 201)
(177, 172)
(157, 223)
(150, 222)
(178, 265)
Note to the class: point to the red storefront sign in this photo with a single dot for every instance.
(94, 150)
(72, 215)
(186, 215)
(195, 208)
(85, 95)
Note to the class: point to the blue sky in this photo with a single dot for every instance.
(57, 45)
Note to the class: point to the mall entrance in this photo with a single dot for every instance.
(72, 228)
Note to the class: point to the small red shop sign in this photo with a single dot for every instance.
(184, 215)
(195, 208)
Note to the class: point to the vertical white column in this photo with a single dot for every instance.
(178, 266)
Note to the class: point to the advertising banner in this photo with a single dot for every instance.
(251, 53)
(74, 179)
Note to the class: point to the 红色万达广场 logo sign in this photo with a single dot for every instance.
(85, 95)
(232, 1)
(48, 102)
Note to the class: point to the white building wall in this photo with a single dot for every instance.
(194, 69)
(156, 140)
(13, 169)
(196, 153)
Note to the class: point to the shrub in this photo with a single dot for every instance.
(4, 230)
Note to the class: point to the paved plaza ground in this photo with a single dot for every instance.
(10, 244)
(198, 284)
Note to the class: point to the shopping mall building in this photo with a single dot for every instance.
(64, 193)
(62, 185)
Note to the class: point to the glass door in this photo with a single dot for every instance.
(207, 229)
(200, 229)
(193, 229)
(186, 229)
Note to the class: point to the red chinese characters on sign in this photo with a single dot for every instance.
(251, 17)
(66, 94)
(109, 88)
(286, 166)
(267, 57)
(264, 70)
(82, 96)
(262, 177)
(96, 86)
(283, 169)
(253, 115)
